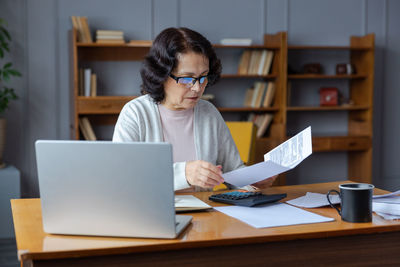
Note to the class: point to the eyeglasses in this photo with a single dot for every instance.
(189, 82)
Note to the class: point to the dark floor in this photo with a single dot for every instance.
(8, 253)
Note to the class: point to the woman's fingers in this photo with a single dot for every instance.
(204, 174)
(212, 174)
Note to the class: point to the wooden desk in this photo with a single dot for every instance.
(216, 239)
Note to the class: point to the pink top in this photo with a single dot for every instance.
(177, 128)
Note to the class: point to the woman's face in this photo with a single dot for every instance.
(179, 96)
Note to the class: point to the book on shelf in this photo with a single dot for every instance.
(87, 81)
(110, 41)
(81, 25)
(262, 121)
(263, 58)
(259, 90)
(236, 41)
(268, 62)
(110, 37)
(269, 95)
(87, 84)
(265, 123)
(109, 33)
(255, 95)
(255, 62)
(244, 62)
(93, 84)
(140, 42)
(248, 97)
(86, 29)
(86, 129)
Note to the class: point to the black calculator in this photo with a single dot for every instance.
(246, 198)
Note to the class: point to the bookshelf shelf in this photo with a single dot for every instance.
(111, 52)
(319, 76)
(333, 108)
(246, 109)
(341, 143)
(310, 47)
(248, 76)
(269, 46)
(130, 45)
(101, 104)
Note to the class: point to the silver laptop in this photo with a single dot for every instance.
(108, 189)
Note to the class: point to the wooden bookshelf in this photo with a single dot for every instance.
(357, 143)
(277, 130)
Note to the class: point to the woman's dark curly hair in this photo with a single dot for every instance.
(162, 59)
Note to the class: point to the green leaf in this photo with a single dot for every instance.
(7, 65)
(6, 33)
(6, 76)
(14, 73)
(1, 53)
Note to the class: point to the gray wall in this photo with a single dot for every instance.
(41, 51)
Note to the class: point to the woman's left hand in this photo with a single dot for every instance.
(265, 183)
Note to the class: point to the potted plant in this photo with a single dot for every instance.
(6, 93)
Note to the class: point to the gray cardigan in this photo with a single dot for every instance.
(139, 120)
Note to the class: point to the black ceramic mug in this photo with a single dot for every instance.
(356, 202)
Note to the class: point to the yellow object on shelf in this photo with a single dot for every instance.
(244, 135)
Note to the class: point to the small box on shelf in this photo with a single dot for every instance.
(329, 96)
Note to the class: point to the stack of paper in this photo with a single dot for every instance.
(387, 206)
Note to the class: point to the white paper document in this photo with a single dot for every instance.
(388, 216)
(284, 157)
(313, 200)
(272, 215)
(189, 202)
(387, 208)
(387, 195)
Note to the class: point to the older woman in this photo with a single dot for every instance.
(180, 65)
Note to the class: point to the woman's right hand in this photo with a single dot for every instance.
(204, 174)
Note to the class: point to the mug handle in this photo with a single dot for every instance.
(330, 203)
